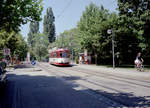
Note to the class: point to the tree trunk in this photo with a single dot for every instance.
(95, 54)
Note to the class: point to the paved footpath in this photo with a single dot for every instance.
(35, 88)
(121, 71)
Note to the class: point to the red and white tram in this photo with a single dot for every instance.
(59, 57)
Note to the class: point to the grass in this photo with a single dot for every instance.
(126, 66)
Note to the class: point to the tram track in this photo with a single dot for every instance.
(91, 92)
(89, 81)
(97, 82)
(63, 72)
(114, 77)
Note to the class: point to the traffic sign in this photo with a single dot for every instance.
(109, 31)
(6, 51)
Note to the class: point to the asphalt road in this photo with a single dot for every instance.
(47, 86)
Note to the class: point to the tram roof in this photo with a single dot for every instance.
(62, 49)
(59, 49)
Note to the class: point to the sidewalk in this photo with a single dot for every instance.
(122, 71)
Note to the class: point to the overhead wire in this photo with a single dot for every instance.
(111, 3)
(65, 8)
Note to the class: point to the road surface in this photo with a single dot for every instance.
(78, 86)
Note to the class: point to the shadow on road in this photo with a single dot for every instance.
(127, 99)
(6, 96)
(67, 66)
(25, 91)
(72, 78)
(23, 66)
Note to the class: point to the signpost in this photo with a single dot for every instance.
(86, 55)
(28, 57)
(72, 50)
(6, 53)
(110, 31)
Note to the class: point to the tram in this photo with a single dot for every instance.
(59, 57)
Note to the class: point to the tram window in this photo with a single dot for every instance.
(51, 55)
(54, 55)
(64, 54)
(60, 54)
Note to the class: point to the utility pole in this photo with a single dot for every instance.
(71, 46)
(62, 41)
(72, 51)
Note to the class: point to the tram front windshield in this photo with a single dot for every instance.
(63, 54)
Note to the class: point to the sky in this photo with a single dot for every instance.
(68, 12)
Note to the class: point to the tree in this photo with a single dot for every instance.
(40, 50)
(34, 29)
(3, 37)
(68, 39)
(134, 23)
(13, 13)
(22, 49)
(18, 47)
(49, 26)
(93, 26)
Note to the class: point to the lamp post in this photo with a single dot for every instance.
(110, 31)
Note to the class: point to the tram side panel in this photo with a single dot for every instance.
(59, 58)
(59, 61)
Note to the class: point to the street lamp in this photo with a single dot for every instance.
(110, 31)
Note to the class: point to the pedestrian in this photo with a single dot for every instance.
(139, 60)
(1, 71)
(3, 65)
(80, 59)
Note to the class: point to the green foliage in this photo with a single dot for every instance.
(68, 39)
(15, 42)
(134, 23)
(49, 26)
(13, 13)
(22, 48)
(4, 38)
(38, 42)
(40, 48)
(34, 29)
(93, 26)
(130, 27)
